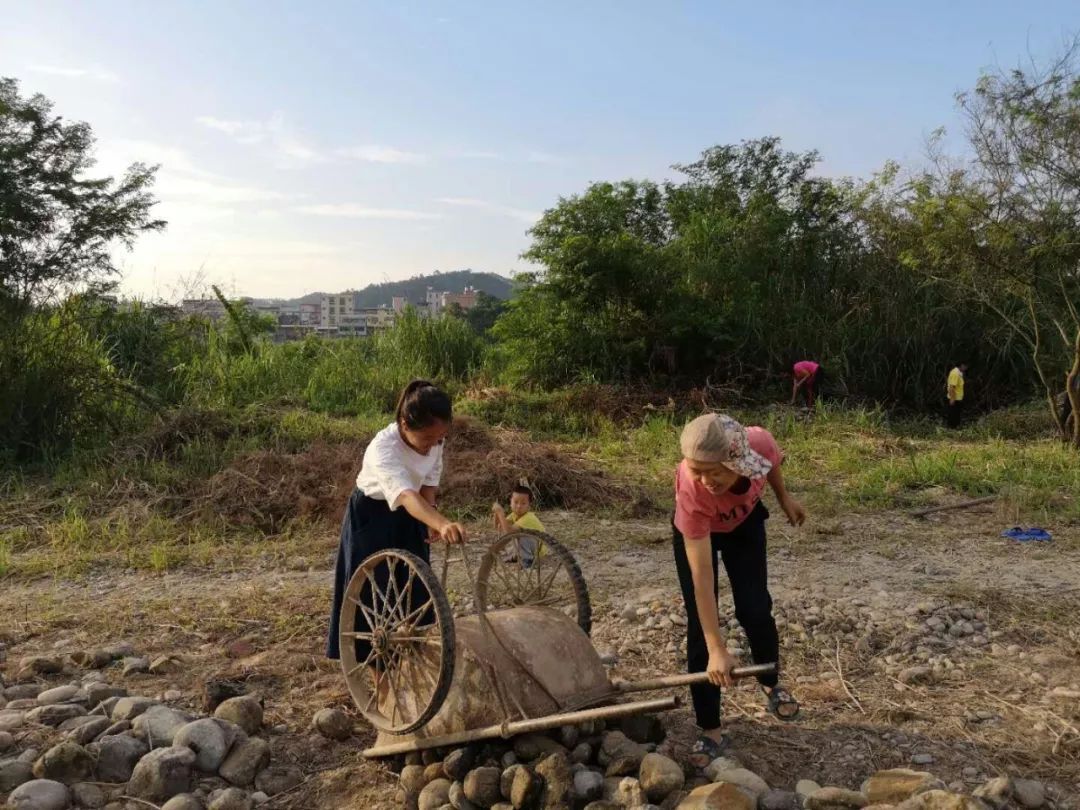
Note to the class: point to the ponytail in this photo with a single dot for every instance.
(421, 404)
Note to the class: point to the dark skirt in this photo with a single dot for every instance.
(370, 525)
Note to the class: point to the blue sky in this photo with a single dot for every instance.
(324, 146)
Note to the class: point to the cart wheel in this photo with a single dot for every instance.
(397, 641)
(526, 567)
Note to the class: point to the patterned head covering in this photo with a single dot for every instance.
(716, 438)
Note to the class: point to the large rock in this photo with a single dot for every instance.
(719, 796)
(86, 732)
(458, 763)
(524, 788)
(135, 666)
(128, 708)
(246, 711)
(834, 798)
(117, 757)
(617, 746)
(245, 760)
(11, 719)
(67, 762)
(530, 747)
(97, 692)
(40, 794)
(278, 778)
(412, 780)
(87, 794)
(56, 714)
(435, 795)
(940, 800)
(14, 773)
(23, 691)
(92, 659)
(39, 665)
(778, 800)
(554, 769)
(333, 724)
(163, 773)
(59, 694)
(996, 793)
(185, 801)
(158, 726)
(7, 741)
(743, 778)
(206, 738)
(231, 799)
(643, 728)
(660, 777)
(1029, 793)
(481, 786)
(893, 786)
(588, 785)
(119, 727)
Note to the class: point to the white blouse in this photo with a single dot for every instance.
(391, 467)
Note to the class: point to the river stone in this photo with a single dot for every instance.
(128, 708)
(588, 785)
(23, 691)
(244, 761)
(996, 792)
(617, 746)
(7, 741)
(97, 692)
(39, 665)
(92, 659)
(524, 787)
(412, 780)
(158, 726)
(458, 763)
(660, 776)
(54, 715)
(135, 666)
(88, 731)
(895, 785)
(530, 747)
(625, 791)
(278, 778)
(333, 724)
(40, 794)
(642, 728)
(67, 762)
(11, 720)
(86, 794)
(118, 727)
(14, 773)
(554, 769)
(185, 801)
(834, 798)
(207, 739)
(117, 756)
(432, 772)
(60, 694)
(163, 773)
(742, 777)
(434, 795)
(481, 786)
(778, 800)
(246, 711)
(1029, 793)
(231, 799)
(719, 796)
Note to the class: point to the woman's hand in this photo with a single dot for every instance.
(721, 662)
(796, 515)
(451, 532)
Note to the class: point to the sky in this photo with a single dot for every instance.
(325, 146)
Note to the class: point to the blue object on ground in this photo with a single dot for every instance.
(1026, 535)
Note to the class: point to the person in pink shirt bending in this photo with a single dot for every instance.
(719, 512)
(806, 374)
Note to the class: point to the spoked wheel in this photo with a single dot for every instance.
(397, 641)
(526, 567)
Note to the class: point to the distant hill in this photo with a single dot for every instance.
(415, 289)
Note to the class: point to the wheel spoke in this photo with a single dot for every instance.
(416, 614)
(357, 635)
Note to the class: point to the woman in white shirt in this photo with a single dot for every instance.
(393, 505)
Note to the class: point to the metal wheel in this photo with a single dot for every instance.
(397, 641)
(526, 567)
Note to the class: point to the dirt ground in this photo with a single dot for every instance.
(847, 590)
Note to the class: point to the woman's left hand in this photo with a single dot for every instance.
(796, 515)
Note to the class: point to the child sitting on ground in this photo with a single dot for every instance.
(521, 517)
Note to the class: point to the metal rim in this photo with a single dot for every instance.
(553, 579)
(395, 609)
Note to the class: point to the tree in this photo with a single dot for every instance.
(483, 314)
(57, 224)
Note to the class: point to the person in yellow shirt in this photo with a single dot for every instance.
(521, 517)
(955, 389)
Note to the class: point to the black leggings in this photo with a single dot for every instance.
(743, 553)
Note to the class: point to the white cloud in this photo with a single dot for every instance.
(520, 214)
(546, 158)
(381, 154)
(95, 72)
(355, 211)
(273, 133)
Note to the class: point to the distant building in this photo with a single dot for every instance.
(210, 308)
(437, 302)
(335, 308)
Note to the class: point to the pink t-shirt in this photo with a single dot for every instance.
(699, 513)
(806, 368)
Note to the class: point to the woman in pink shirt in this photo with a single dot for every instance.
(806, 375)
(719, 513)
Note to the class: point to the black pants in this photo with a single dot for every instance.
(370, 525)
(743, 555)
(954, 413)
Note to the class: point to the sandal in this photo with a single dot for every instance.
(781, 703)
(706, 749)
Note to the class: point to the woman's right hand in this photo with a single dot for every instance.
(451, 532)
(721, 662)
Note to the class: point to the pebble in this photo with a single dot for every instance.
(922, 759)
(40, 794)
(332, 723)
(61, 694)
(246, 711)
(135, 666)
